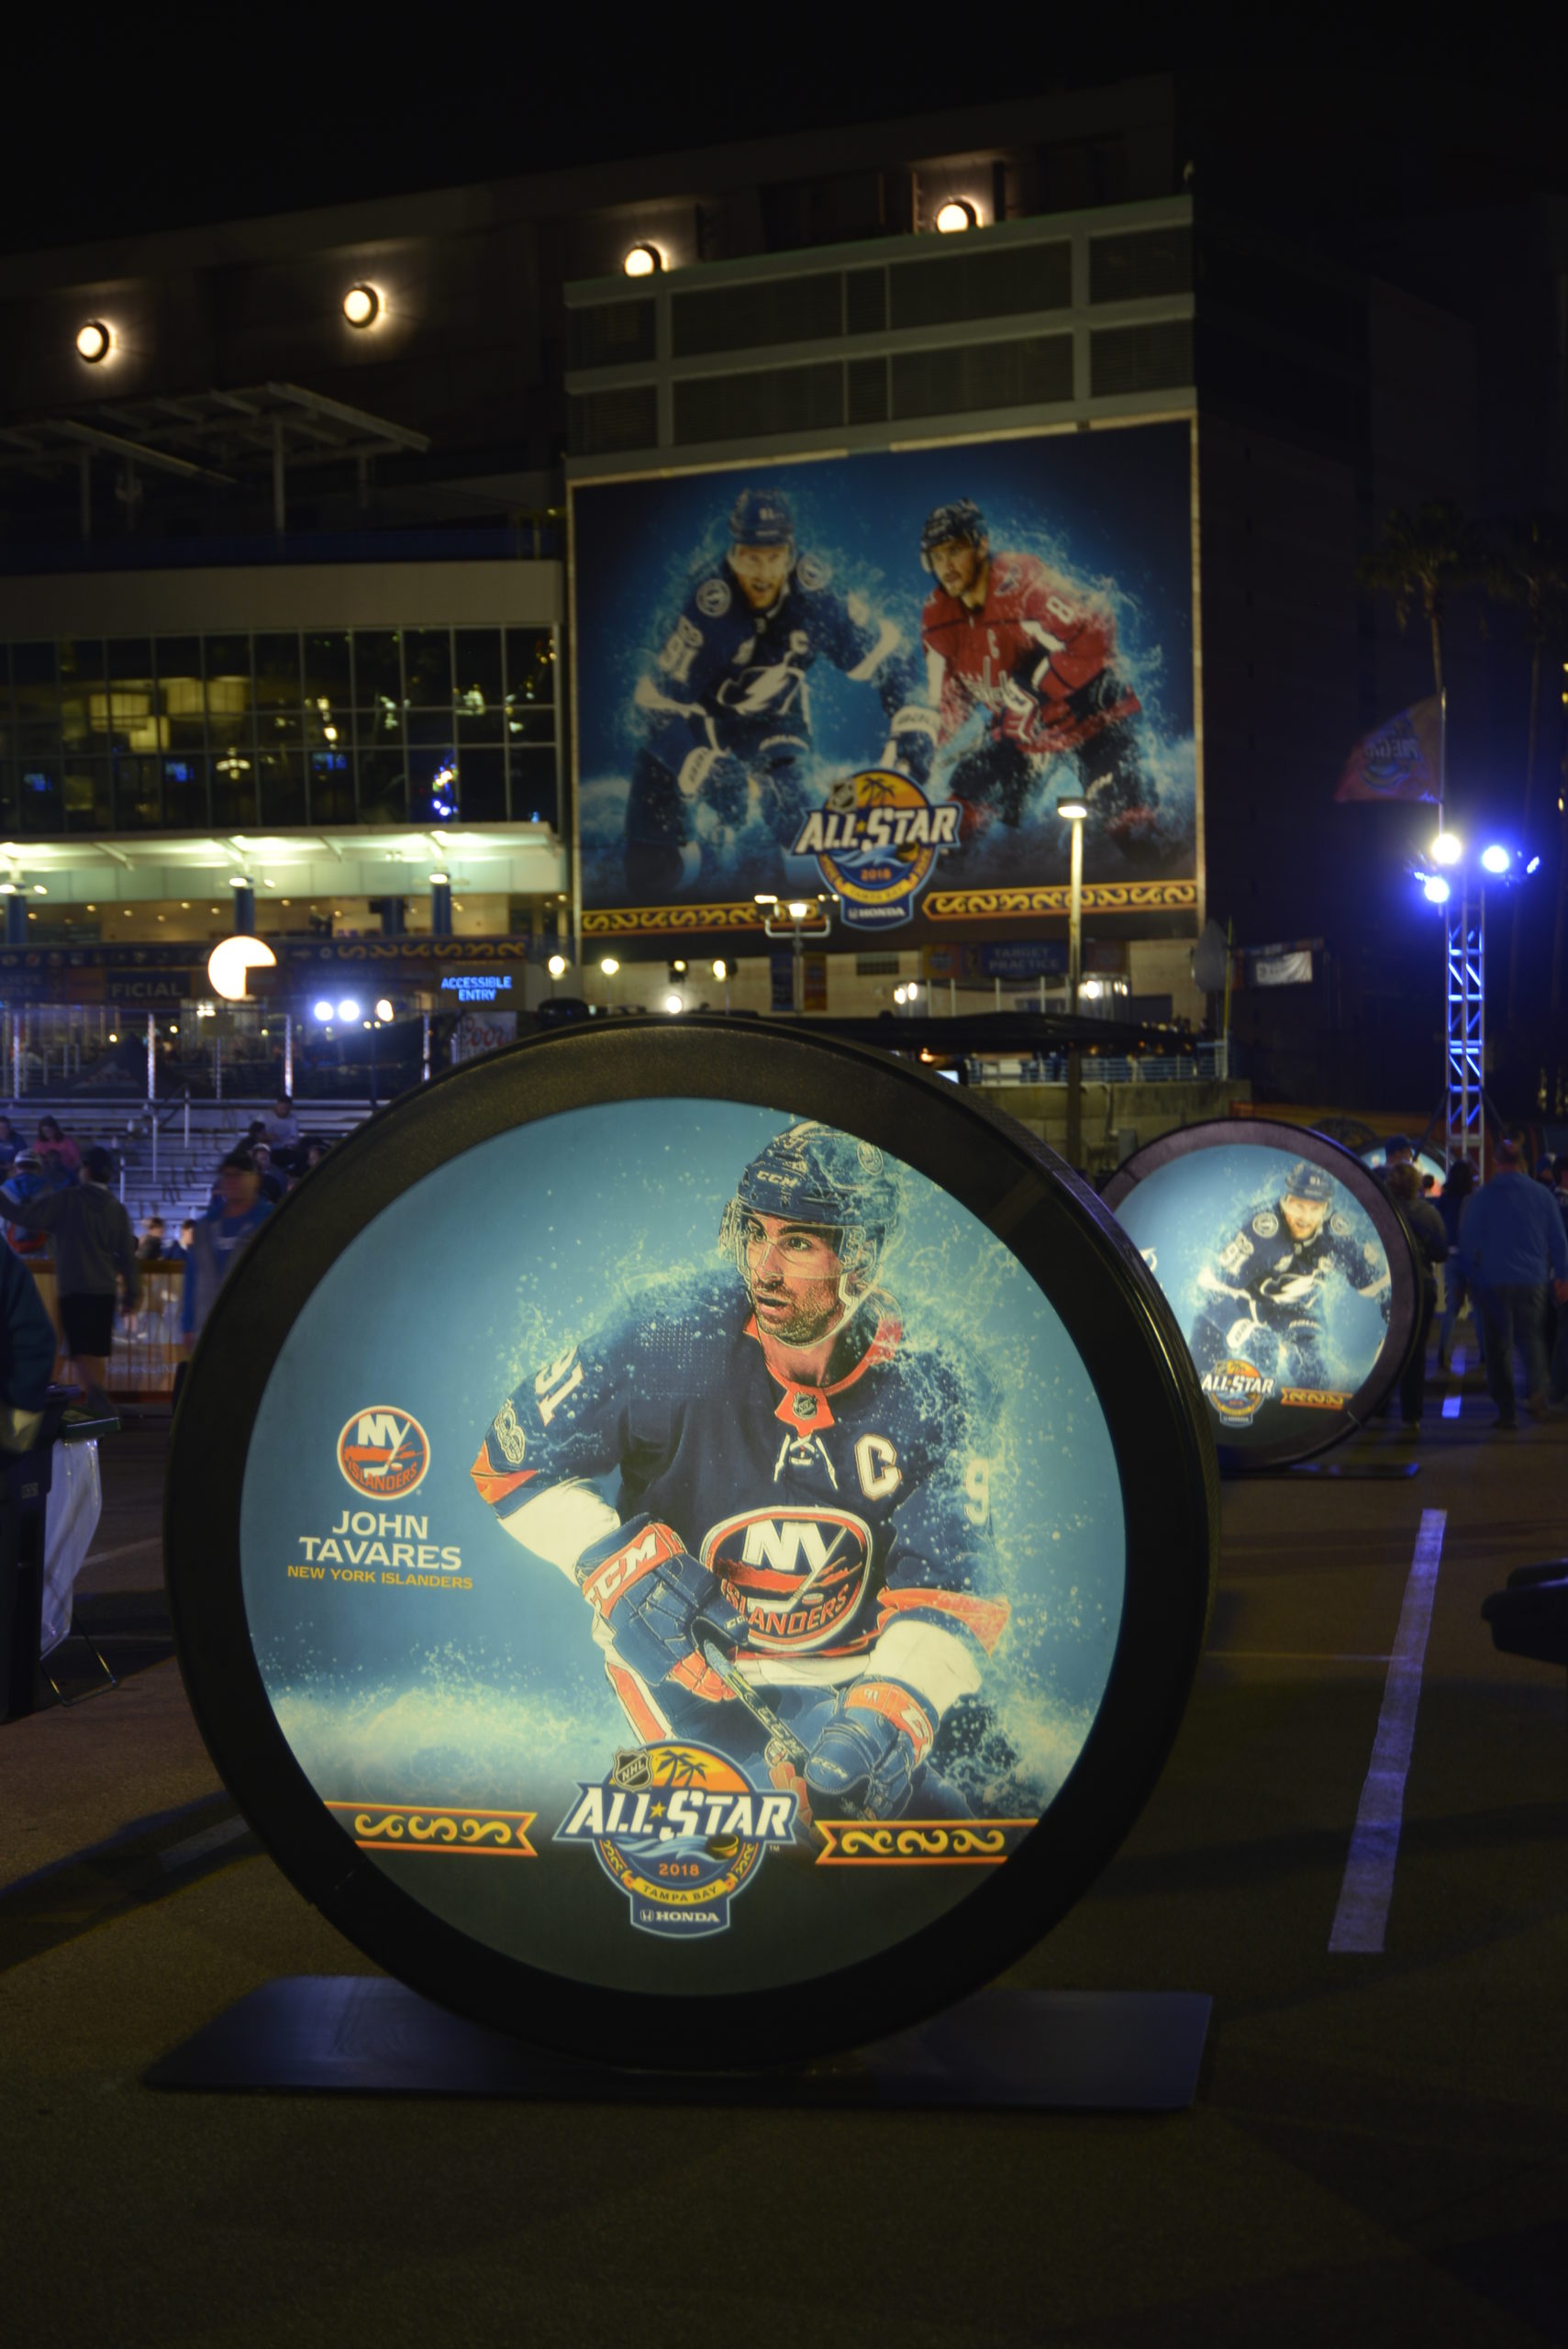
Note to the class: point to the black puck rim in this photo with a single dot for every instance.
(1400, 1245)
(1113, 1312)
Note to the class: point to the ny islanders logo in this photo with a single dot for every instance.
(799, 1574)
(876, 844)
(681, 1831)
(384, 1452)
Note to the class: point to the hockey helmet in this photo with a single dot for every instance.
(813, 1174)
(1308, 1182)
(960, 519)
(761, 517)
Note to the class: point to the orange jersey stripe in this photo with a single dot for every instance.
(985, 1618)
(497, 1485)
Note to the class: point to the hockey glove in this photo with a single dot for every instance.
(649, 1592)
(866, 1758)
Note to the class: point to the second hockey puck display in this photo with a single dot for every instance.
(1291, 1271)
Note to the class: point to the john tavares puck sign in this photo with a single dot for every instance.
(689, 1544)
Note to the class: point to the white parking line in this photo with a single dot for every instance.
(1360, 1920)
(102, 1557)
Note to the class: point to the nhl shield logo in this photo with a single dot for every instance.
(384, 1452)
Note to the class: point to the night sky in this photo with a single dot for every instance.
(199, 114)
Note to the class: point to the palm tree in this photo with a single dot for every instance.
(1531, 572)
(1419, 560)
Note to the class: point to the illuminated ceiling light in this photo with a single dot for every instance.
(348, 1009)
(1533, 866)
(1435, 889)
(643, 260)
(230, 961)
(40, 890)
(1447, 849)
(956, 215)
(322, 1011)
(361, 306)
(238, 881)
(1495, 859)
(440, 880)
(93, 341)
(556, 966)
(7, 888)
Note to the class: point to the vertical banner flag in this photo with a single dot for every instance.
(1399, 760)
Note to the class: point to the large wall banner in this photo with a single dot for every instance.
(877, 674)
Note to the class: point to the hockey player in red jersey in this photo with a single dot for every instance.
(1005, 634)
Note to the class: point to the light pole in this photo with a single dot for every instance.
(1072, 813)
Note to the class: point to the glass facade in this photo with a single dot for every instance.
(197, 733)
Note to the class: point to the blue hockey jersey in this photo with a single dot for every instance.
(850, 1523)
(733, 680)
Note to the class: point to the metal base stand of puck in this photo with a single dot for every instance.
(1064, 2051)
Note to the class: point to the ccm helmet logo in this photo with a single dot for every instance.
(384, 1452)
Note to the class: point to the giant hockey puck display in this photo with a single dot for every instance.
(1291, 1271)
(691, 1543)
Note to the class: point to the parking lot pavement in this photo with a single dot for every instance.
(1377, 2149)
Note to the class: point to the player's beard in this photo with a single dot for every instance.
(809, 1322)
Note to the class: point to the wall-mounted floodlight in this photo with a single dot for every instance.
(348, 1009)
(556, 966)
(94, 340)
(1447, 849)
(1091, 990)
(382, 1010)
(1495, 859)
(956, 215)
(609, 966)
(1435, 889)
(361, 306)
(720, 970)
(321, 1010)
(643, 260)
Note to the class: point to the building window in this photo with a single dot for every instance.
(192, 734)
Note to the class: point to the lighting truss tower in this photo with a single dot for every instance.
(1467, 1028)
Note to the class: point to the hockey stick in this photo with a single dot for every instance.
(792, 1748)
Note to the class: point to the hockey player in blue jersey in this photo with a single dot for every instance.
(1270, 1293)
(798, 1569)
(726, 709)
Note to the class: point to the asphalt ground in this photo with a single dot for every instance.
(1377, 2151)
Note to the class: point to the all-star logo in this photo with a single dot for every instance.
(1236, 1390)
(876, 844)
(681, 1831)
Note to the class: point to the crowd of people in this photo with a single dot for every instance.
(56, 1204)
(1503, 1248)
